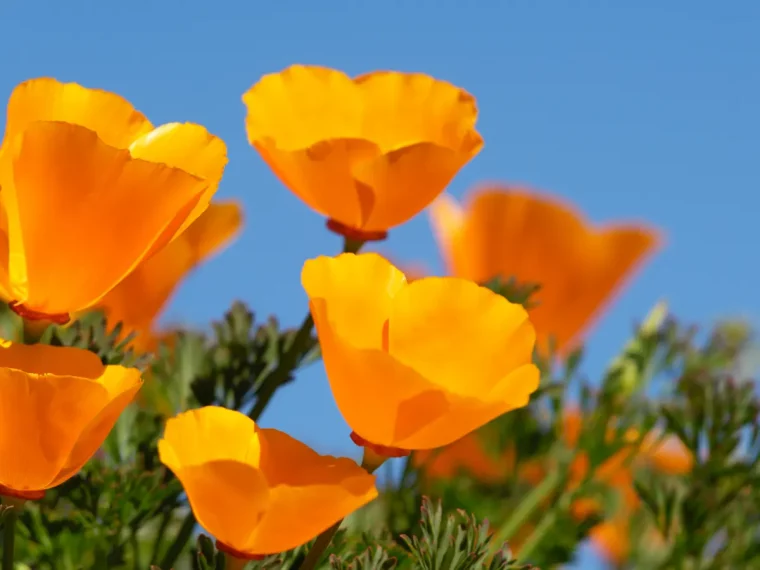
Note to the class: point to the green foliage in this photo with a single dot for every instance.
(711, 516)
(124, 510)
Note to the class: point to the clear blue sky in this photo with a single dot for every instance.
(633, 110)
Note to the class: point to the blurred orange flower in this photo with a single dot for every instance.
(510, 232)
(57, 405)
(612, 537)
(137, 301)
(89, 190)
(420, 365)
(467, 454)
(258, 491)
(370, 152)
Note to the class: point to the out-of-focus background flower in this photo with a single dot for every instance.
(646, 111)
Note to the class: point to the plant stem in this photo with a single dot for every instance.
(233, 563)
(527, 507)
(286, 365)
(537, 535)
(184, 534)
(9, 536)
(320, 545)
(289, 359)
(370, 462)
(33, 330)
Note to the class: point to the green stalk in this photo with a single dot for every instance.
(528, 507)
(184, 534)
(9, 536)
(370, 463)
(320, 545)
(234, 563)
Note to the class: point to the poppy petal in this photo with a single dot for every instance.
(301, 106)
(188, 147)
(462, 337)
(327, 164)
(47, 413)
(370, 387)
(121, 385)
(302, 481)
(137, 301)
(45, 99)
(403, 109)
(405, 181)
(72, 190)
(352, 284)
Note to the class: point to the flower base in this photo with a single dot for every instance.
(229, 551)
(355, 234)
(30, 315)
(23, 495)
(381, 450)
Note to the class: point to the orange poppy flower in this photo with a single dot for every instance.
(467, 454)
(611, 538)
(89, 190)
(370, 152)
(57, 405)
(416, 365)
(258, 491)
(137, 301)
(509, 232)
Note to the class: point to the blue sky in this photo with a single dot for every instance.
(632, 110)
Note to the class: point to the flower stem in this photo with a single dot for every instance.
(234, 563)
(184, 534)
(33, 330)
(370, 462)
(9, 536)
(289, 359)
(527, 507)
(320, 545)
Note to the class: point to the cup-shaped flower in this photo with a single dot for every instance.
(369, 152)
(90, 188)
(417, 365)
(511, 232)
(258, 491)
(137, 301)
(57, 405)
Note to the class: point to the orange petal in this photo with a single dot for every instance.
(310, 172)
(612, 540)
(447, 219)
(43, 415)
(44, 359)
(111, 116)
(462, 337)
(403, 109)
(73, 191)
(309, 493)
(383, 398)
(671, 457)
(137, 300)
(301, 106)
(372, 390)
(353, 149)
(358, 292)
(258, 491)
(464, 414)
(515, 233)
(188, 147)
(406, 180)
(467, 454)
(214, 452)
(121, 385)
